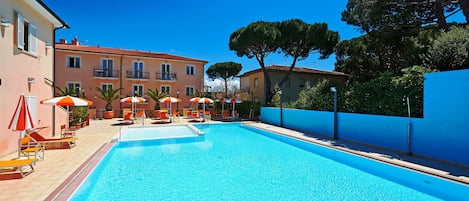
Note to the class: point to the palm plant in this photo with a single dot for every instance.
(70, 91)
(108, 95)
(156, 96)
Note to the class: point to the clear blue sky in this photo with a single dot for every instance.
(196, 29)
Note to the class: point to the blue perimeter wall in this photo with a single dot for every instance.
(443, 132)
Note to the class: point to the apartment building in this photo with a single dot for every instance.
(87, 67)
(252, 82)
(26, 65)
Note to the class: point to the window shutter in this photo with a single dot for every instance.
(32, 39)
(20, 32)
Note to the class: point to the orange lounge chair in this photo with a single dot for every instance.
(164, 118)
(48, 142)
(197, 117)
(17, 165)
(64, 132)
(30, 147)
(156, 114)
(128, 116)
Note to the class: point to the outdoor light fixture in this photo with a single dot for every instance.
(334, 90)
(30, 81)
(405, 100)
(5, 22)
(48, 45)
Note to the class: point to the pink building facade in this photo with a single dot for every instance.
(26, 65)
(87, 67)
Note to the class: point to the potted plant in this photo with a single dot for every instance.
(156, 96)
(108, 96)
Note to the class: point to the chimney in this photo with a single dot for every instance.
(75, 41)
(62, 41)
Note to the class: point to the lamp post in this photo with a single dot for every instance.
(334, 91)
(281, 108)
(408, 124)
(177, 103)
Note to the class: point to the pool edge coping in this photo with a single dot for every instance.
(66, 189)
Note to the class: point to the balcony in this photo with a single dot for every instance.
(166, 76)
(137, 75)
(105, 74)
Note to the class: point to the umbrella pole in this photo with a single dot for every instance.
(68, 118)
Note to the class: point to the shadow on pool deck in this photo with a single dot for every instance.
(431, 166)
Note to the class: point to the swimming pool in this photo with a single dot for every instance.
(158, 132)
(236, 162)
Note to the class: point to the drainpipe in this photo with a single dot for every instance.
(53, 73)
(120, 81)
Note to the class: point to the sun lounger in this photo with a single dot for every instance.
(31, 147)
(48, 142)
(164, 118)
(196, 116)
(18, 165)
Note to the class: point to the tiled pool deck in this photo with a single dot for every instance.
(60, 164)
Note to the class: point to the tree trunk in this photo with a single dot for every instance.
(226, 86)
(440, 16)
(290, 70)
(267, 87)
(465, 9)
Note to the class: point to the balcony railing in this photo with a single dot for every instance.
(104, 73)
(166, 76)
(137, 75)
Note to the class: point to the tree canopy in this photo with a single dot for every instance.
(224, 70)
(294, 38)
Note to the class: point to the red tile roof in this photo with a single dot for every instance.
(296, 69)
(97, 49)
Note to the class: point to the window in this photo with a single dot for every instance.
(26, 35)
(190, 70)
(256, 82)
(190, 91)
(73, 62)
(76, 86)
(138, 69)
(138, 90)
(107, 65)
(165, 71)
(106, 86)
(166, 89)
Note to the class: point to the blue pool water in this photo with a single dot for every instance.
(235, 162)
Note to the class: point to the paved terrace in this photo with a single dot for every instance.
(60, 164)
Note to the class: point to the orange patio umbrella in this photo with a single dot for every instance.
(234, 101)
(205, 101)
(133, 100)
(170, 100)
(67, 101)
(196, 101)
(222, 100)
